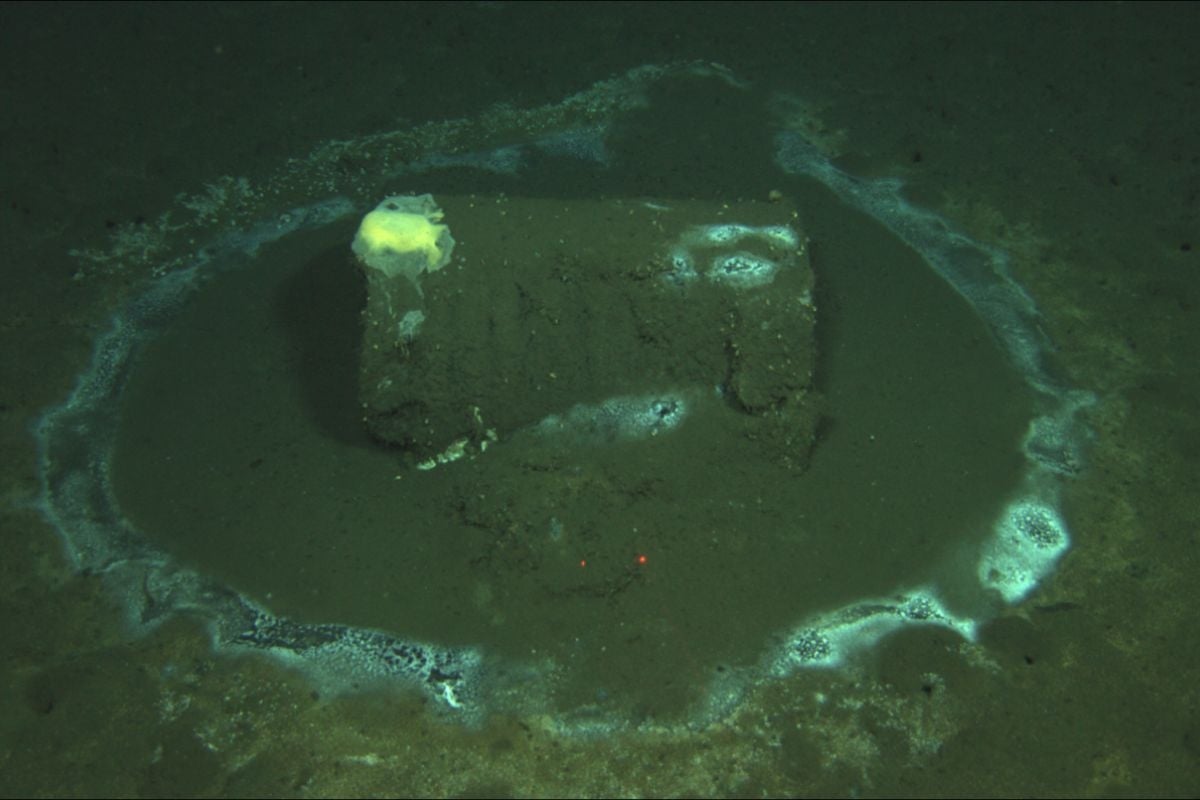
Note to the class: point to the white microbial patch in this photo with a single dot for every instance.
(1056, 441)
(618, 418)
(781, 235)
(583, 144)
(409, 325)
(682, 269)
(828, 640)
(337, 652)
(1030, 538)
(732, 254)
(742, 270)
(720, 234)
(500, 161)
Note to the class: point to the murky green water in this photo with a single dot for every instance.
(640, 568)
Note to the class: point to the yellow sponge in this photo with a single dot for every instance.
(402, 237)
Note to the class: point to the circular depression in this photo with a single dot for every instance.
(240, 452)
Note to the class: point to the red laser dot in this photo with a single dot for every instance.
(641, 559)
(583, 562)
